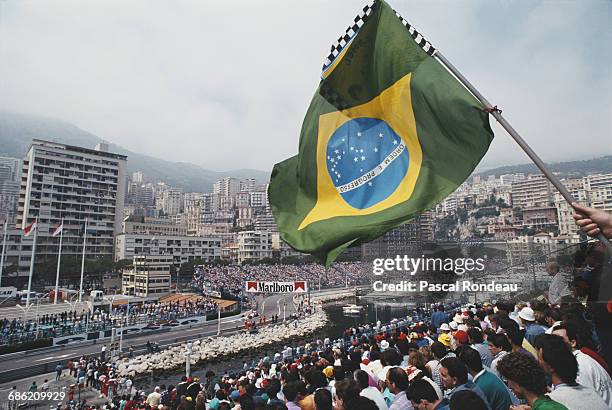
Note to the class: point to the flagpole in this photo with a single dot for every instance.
(59, 258)
(32, 262)
(83, 262)
(3, 249)
(496, 113)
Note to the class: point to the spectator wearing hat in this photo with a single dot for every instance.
(532, 329)
(446, 339)
(493, 388)
(461, 339)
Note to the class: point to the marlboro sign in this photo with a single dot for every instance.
(277, 287)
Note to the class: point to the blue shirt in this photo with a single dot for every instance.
(532, 331)
(438, 318)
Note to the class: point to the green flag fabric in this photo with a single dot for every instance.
(389, 133)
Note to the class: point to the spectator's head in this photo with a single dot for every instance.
(339, 373)
(575, 333)
(273, 387)
(397, 380)
(323, 399)
(471, 358)
(438, 350)
(362, 379)
(453, 372)
(467, 400)
(461, 337)
(422, 395)
(361, 403)
(556, 358)
(390, 357)
(552, 267)
(499, 342)
(523, 374)
(475, 335)
(346, 390)
(294, 391)
(512, 331)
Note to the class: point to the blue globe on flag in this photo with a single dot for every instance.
(366, 161)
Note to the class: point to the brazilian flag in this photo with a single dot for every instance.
(389, 133)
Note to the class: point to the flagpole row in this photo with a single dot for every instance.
(496, 113)
(59, 258)
(83, 262)
(35, 227)
(3, 249)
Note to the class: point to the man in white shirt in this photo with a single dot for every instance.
(558, 288)
(590, 373)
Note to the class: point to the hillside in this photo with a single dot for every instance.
(567, 169)
(18, 130)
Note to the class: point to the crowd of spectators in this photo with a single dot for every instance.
(68, 323)
(503, 356)
(230, 279)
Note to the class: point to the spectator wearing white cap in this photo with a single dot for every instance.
(532, 329)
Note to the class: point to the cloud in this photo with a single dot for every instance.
(226, 84)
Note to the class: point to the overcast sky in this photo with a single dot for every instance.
(226, 84)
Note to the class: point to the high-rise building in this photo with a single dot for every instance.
(247, 185)
(138, 177)
(72, 183)
(227, 187)
(254, 245)
(599, 188)
(535, 191)
(172, 201)
(9, 188)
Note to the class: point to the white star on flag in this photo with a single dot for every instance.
(361, 150)
(336, 151)
(352, 148)
(356, 159)
(339, 157)
(362, 158)
(359, 134)
(394, 142)
(369, 183)
(380, 135)
(375, 149)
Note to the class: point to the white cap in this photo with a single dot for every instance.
(384, 345)
(445, 327)
(526, 313)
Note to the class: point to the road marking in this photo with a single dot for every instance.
(53, 357)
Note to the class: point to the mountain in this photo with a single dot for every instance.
(18, 130)
(568, 169)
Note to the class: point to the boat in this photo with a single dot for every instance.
(352, 309)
